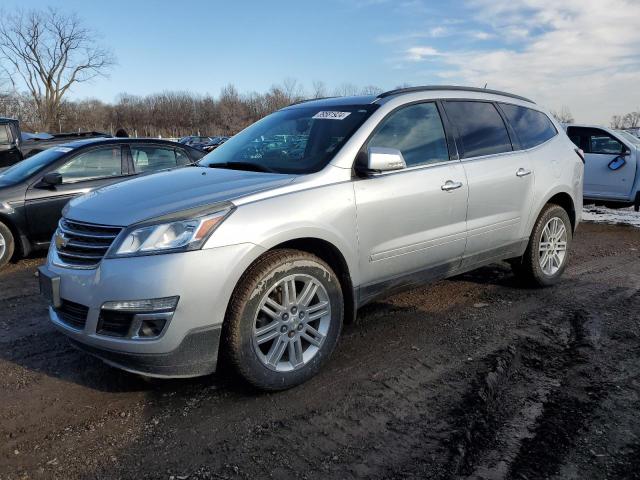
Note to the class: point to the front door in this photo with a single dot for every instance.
(601, 149)
(409, 226)
(80, 174)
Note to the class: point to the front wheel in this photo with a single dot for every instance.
(284, 319)
(547, 254)
(7, 245)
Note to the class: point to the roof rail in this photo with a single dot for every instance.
(305, 100)
(430, 88)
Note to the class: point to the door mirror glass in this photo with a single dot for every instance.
(52, 178)
(382, 159)
(617, 163)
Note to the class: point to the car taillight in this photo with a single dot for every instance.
(580, 153)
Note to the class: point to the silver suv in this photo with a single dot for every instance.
(259, 254)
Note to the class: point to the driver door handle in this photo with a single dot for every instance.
(450, 185)
(522, 172)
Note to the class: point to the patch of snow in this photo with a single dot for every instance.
(622, 216)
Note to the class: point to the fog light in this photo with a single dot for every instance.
(150, 305)
(151, 328)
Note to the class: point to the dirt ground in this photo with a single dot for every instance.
(473, 377)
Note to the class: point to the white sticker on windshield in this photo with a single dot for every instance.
(63, 149)
(331, 115)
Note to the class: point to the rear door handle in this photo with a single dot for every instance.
(450, 185)
(522, 172)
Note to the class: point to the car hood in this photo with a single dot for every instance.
(151, 196)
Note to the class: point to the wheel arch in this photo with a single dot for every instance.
(561, 198)
(332, 255)
(21, 244)
(564, 200)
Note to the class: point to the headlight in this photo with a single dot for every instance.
(177, 235)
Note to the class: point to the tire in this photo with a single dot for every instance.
(7, 245)
(536, 269)
(273, 347)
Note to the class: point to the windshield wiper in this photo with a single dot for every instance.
(251, 167)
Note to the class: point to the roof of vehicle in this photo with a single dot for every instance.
(6, 119)
(369, 99)
(107, 141)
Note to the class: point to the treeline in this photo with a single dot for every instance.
(628, 120)
(170, 114)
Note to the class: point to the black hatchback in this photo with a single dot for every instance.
(34, 191)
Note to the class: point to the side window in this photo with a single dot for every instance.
(182, 157)
(5, 139)
(480, 128)
(532, 127)
(604, 144)
(97, 163)
(417, 132)
(579, 136)
(148, 158)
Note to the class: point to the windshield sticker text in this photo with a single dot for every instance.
(331, 115)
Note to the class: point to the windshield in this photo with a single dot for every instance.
(298, 140)
(630, 137)
(24, 169)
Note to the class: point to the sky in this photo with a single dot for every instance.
(583, 54)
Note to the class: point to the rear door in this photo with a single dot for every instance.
(601, 148)
(82, 173)
(407, 223)
(147, 158)
(500, 180)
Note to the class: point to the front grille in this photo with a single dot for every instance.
(72, 314)
(83, 244)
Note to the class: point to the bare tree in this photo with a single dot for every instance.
(628, 120)
(371, 90)
(563, 115)
(49, 52)
(632, 119)
(318, 89)
(346, 90)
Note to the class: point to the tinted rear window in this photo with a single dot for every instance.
(532, 127)
(480, 128)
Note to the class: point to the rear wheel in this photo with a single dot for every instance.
(284, 319)
(7, 245)
(547, 254)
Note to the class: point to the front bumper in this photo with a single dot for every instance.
(203, 279)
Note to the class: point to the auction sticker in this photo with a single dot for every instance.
(331, 115)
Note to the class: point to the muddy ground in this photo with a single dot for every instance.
(473, 377)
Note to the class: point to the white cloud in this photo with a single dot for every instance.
(417, 54)
(482, 35)
(580, 53)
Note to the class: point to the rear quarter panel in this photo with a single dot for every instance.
(557, 169)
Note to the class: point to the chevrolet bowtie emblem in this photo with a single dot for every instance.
(61, 240)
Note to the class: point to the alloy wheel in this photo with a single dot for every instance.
(553, 246)
(291, 322)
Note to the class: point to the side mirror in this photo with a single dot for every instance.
(52, 179)
(381, 159)
(617, 163)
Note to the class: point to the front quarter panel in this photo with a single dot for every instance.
(325, 212)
